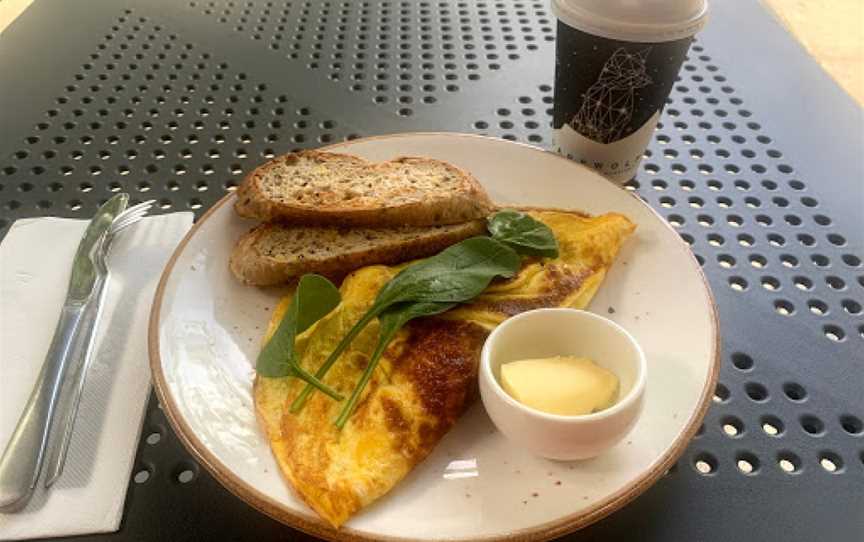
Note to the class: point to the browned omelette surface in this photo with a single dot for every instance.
(426, 378)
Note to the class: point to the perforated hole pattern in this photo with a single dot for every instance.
(403, 55)
(156, 115)
(153, 115)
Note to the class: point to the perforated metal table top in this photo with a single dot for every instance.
(757, 162)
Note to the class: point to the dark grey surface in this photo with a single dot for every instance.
(755, 134)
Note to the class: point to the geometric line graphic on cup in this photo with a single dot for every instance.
(607, 105)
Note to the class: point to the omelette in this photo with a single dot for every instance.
(426, 378)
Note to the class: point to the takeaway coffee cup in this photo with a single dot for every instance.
(615, 63)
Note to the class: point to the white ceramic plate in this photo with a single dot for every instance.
(206, 328)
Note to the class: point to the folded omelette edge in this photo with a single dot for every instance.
(427, 377)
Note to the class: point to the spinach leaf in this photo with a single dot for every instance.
(523, 233)
(315, 298)
(457, 274)
(391, 321)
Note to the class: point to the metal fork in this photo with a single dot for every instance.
(70, 397)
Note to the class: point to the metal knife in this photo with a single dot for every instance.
(73, 385)
(22, 460)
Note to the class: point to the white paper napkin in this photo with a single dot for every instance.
(35, 262)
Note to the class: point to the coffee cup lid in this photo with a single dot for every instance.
(628, 20)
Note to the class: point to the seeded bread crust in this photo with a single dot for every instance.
(324, 188)
(272, 254)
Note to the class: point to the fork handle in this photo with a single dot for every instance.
(22, 460)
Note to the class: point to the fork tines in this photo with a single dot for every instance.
(131, 215)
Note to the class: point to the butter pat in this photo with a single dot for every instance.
(564, 385)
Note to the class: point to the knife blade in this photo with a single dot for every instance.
(73, 385)
(24, 455)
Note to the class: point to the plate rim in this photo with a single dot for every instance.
(316, 526)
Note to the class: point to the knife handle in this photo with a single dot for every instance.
(22, 460)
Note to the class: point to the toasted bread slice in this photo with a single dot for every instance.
(274, 253)
(323, 188)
